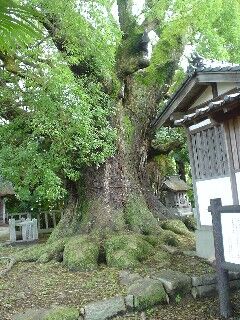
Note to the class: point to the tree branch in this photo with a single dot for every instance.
(164, 149)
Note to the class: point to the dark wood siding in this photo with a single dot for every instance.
(234, 132)
(209, 153)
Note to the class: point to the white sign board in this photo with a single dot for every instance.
(211, 189)
(231, 236)
(237, 174)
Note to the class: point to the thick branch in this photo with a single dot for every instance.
(126, 18)
(164, 149)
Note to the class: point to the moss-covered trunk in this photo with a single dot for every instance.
(116, 196)
(111, 216)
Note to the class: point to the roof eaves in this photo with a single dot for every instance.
(212, 106)
(156, 123)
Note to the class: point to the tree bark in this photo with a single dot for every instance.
(108, 194)
(103, 201)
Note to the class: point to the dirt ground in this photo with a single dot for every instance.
(34, 285)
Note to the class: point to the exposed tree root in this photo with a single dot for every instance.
(121, 249)
(87, 252)
(10, 264)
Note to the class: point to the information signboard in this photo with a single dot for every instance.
(230, 222)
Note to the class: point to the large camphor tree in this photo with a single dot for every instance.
(77, 107)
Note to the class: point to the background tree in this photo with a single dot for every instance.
(78, 108)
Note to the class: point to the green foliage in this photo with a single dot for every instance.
(58, 95)
(65, 129)
(209, 26)
(18, 25)
(178, 298)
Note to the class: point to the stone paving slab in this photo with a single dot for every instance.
(174, 282)
(104, 309)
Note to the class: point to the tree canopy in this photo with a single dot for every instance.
(59, 93)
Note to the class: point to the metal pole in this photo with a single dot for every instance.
(222, 274)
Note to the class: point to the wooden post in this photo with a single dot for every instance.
(2, 214)
(39, 222)
(46, 219)
(54, 219)
(12, 230)
(191, 157)
(231, 163)
(34, 230)
(222, 274)
(24, 230)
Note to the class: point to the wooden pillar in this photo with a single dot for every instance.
(190, 148)
(230, 150)
(2, 210)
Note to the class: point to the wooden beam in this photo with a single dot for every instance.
(227, 113)
(214, 90)
(208, 77)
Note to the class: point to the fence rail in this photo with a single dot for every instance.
(47, 220)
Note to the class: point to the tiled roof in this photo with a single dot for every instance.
(205, 66)
(6, 188)
(221, 68)
(174, 183)
(210, 107)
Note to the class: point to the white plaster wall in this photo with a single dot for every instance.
(210, 189)
(225, 86)
(205, 96)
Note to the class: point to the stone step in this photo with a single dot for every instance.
(211, 289)
(211, 278)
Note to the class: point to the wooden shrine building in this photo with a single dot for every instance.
(207, 105)
(175, 195)
(6, 189)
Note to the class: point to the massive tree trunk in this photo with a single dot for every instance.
(117, 196)
(113, 212)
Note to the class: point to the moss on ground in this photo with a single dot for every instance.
(170, 238)
(162, 257)
(176, 226)
(190, 222)
(30, 254)
(53, 251)
(81, 253)
(62, 313)
(147, 293)
(42, 252)
(126, 250)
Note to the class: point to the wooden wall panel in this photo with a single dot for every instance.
(209, 153)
